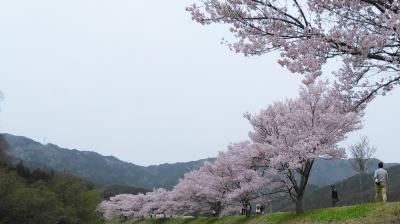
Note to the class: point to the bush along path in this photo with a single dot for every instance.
(370, 213)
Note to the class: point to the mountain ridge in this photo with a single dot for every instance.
(102, 170)
(109, 170)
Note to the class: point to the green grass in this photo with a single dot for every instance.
(343, 213)
(370, 213)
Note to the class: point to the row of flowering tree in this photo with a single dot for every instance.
(286, 138)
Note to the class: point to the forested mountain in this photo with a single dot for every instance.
(102, 170)
(108, 170)
(32, 196)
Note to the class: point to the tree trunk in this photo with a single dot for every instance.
(299, 204)
(361, 193)
(305, 174)
(218, 209)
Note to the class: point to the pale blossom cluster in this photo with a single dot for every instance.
(286, 139)
(297, 132)
(224, 186)
(362, 34)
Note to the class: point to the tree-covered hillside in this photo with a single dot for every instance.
(37, 196)
(102, 170)
(108, 170)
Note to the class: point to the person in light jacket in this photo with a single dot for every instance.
(381, 180)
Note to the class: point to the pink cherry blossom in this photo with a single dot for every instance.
(286, 139)
(298, 131)
(363, 34)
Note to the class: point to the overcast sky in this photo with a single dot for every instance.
(141, 81)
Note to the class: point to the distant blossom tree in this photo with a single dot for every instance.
(362, 153)
(108, 209)
(124, 205)
(297, 132)
(117, 207)
(231, 180)
(194, 194)
(238, 176)
(155, 203)
(364, 34)
(220, 187)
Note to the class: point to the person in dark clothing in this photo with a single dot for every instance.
(248, 210)
(335, 196)
(243, 211)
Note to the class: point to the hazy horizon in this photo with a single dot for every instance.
(106, 76)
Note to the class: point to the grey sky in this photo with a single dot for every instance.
(139, 80)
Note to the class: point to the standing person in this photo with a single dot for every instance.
(258, 209)
(248, 210)
(380, 178)
(243, 210)
(335, 196)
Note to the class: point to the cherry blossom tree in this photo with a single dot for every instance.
(155, 203)
(109, 210)
(363, 34)
(231, 181)
(185, 199)
(238, 175)
(199, 192)
(296, 132)
(136, 204)
(119, 206)
(131, 206)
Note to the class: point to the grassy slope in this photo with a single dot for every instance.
(359, 214)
